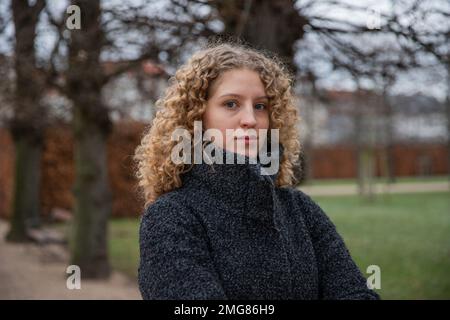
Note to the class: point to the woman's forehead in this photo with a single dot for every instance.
(238, 82)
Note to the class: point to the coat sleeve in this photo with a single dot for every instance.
(339, 276)
(175, 261)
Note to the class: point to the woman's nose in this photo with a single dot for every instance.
(248, 118)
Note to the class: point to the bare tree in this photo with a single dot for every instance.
(270, 25)
(83, 82)
(310, 97)
(91, 125)
(430, 31)
(28, 120)
(378, 53)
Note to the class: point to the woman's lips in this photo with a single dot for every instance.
(246, 139)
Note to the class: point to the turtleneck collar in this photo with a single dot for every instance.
(237, 186)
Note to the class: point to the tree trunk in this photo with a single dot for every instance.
(389, 134)
(27, 123)
(91, 124)
(367, 169)
(308, 139)
(26, 204)
(365, 145)
(447, 112)
(357, 136)
(265, 24)
(93, 200)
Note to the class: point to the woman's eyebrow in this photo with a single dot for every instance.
(239, 96)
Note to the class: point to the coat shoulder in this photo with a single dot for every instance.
(297, 198)
(167, 202)
(303, 204)
(170, 208)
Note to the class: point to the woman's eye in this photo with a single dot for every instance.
(260, 106)
(230, 104)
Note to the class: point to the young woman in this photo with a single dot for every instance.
(225, 230)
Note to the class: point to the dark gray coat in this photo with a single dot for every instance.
(230, 233)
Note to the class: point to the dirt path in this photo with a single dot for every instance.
(29, 271)
(352, 189)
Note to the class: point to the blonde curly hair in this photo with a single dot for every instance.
(185, 101)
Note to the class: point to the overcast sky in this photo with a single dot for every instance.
(430, 82)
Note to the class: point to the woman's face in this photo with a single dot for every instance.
(237, 100)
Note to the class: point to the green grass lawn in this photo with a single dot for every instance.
(124, 245)
(406, 235)
(332, 182)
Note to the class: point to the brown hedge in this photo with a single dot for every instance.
(58, 170)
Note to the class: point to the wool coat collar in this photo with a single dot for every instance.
(238, 187)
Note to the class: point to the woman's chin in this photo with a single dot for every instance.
(248, 152)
